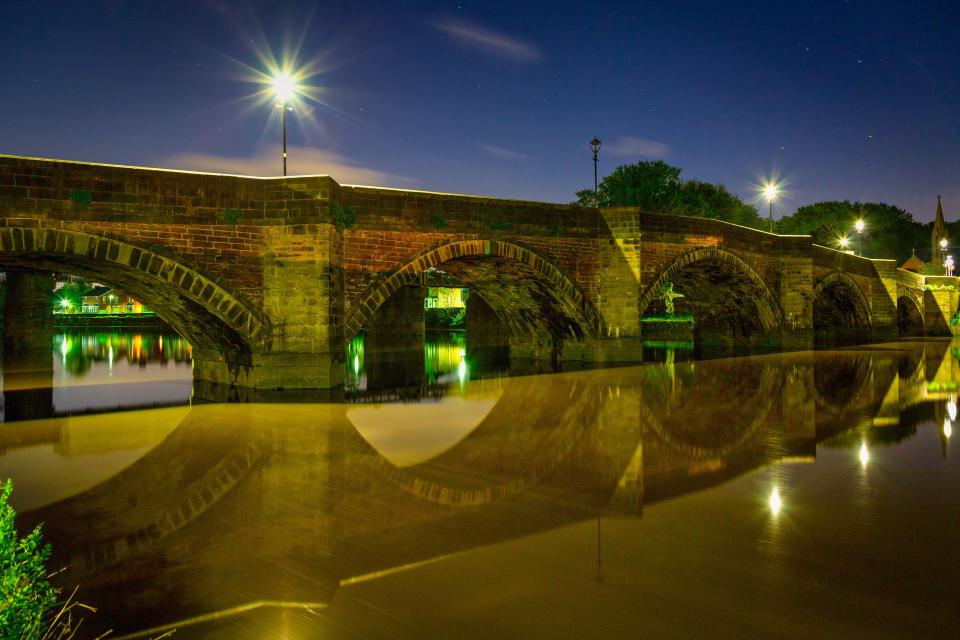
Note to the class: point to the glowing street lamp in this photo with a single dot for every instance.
(844, 242)
(859, 225)
(770, 191)
(284, 88)
(944, 243)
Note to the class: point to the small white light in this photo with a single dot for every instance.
(775, 503)
(864, 454)
(947, 428)
(952, 409)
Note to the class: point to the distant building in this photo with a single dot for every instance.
(914, 263)
(939, 233)
(102, 299)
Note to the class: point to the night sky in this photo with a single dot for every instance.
(854, 100)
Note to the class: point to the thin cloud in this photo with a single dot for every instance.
(500, 152)
(490, 42)
(300, 161)
(631, 146)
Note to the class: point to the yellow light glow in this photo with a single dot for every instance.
(844, 242)
(943, 243)
(859, 225)
(284, 86)
(864, 454)
(947, 428)
(775, 503)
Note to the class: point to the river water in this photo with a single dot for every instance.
(795, 496)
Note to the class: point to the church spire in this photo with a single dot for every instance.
(939, 232)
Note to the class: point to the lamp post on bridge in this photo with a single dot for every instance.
(770, 191)
(284, 88)
(859, 225)
(595, 147)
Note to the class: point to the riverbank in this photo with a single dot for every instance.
(146, 321)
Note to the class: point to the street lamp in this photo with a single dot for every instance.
(943, 248)
(595, 147)
(844, 242)
(859, 226)
(284, 88)
(770, 191)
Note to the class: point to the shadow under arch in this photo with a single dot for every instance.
(160, 494)
(722, 385)
(524, 438)
(841, 311)
(195, 306)
(721, 289)
(909, 317)
(525, 290)
(840, 381)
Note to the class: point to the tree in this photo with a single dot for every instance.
(890, 232)
(25, 593)
(656, 186)
(73, 291)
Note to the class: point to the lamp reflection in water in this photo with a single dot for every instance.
(952, 408)
(775, 502)
(864, 455)
(947, 428)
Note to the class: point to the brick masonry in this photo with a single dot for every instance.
(268, 282)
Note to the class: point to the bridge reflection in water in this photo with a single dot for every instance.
(522, 507)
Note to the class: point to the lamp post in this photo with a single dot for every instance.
(770, 192)
(859, 226)
(595, 147)
(284, 88)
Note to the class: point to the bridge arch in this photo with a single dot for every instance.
(202, 311)
(840, 308)
(527, 292)
(716, 284)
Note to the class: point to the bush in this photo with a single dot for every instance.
(26, 595)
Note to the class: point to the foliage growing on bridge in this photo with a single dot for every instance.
(27, 595)
(81, 197)
(657, 187)
(230, 216)
(343, 217)
(438, 221)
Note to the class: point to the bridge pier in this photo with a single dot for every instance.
(28, 346)
(941, 300)
(883, 302)
(796, 300)
(302, 357)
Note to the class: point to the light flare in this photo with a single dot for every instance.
(284, 87)
(864, 455)
(947, 428)
(775, 502)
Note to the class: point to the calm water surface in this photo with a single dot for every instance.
(796, 496)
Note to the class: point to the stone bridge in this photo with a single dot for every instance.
(268, 278)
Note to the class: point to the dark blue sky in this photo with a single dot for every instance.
(847, 100)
